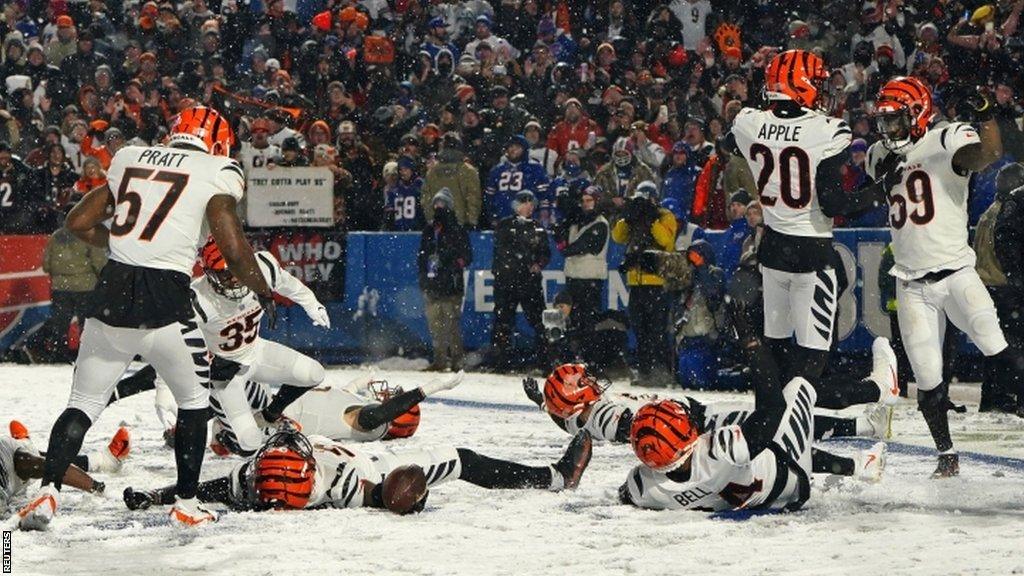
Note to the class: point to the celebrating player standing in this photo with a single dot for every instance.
(935, 273)
(158, 201)
(797, 153)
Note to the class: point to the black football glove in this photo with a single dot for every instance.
(532, 390)
(269, 309)
(979, 106)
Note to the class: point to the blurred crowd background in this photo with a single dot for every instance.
(559, 125)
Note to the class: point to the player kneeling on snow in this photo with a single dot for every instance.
(21, 462)
(292, 471)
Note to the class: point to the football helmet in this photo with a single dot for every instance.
(404, 425)
(662, 435)
(569, 389)
(216, 269)
(903, 111)
(204, 128)
(283, 472)
(796, 75)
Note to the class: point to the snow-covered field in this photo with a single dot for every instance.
(907, 524)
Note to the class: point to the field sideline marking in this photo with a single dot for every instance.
(894, 447)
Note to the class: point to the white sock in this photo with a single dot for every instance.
(557, 480)
(103, 461)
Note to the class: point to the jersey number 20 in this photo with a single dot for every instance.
(796, 195)
(177, 182)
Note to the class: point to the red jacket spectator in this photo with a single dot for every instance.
(575, 127)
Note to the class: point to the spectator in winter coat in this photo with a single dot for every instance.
(508, 178)
(403, 212)
(737, 232)
(619, 178)
(696, 319)
(574, 130)
(23, 209)
(454, 173)
(539, 152)
(444, 255)
(585, 248)
(679, 179)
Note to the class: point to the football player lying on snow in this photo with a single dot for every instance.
(292, 471)
(576, 400)
(21, 462)
(365, 410)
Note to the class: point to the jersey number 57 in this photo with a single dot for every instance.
(129, 202)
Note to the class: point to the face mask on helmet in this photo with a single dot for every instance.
(570, 389)
(225, 283)
(283, 472)
(894, 126)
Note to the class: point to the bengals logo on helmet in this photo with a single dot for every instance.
(204, 128)
(796, 75)
(663, 435)
(903, 111)
(283, 471)
(569, 389)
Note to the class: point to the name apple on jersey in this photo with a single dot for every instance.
(779, 132)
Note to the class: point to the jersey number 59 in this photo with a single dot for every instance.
(126, 219)
(919, 192)
(796, 195)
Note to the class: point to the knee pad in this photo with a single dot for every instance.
(196, 399)
(90, 405)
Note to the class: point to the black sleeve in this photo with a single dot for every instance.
(544, 249)
(590, 242)
(465, 248)
(833, 199)
(730, 146)
(1009, 241)
(760, 427)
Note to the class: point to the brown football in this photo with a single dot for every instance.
(403, 488)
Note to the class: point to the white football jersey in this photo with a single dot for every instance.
(928, 208)
(783, 154)
(231, 327)
(161, 194)
(606, 414)
(722, 477)
(252, 157)
(11, 486)
(321, 411)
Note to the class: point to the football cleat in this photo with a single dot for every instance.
(110, 460)
(869, 464)
(949, 466)
(139, 500)
(883, 371)
(879, 420)
(121, 444)
(38, 513)
(575, 460)
(191, 512)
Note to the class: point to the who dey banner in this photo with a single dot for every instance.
(289, 197)
(381, 281)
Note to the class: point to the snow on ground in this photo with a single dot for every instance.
(907, 524)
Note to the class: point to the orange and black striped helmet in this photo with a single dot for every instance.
(216, 269)
(283, 472)
(796, 75)
(204, 128)
(663, 435)
(404, 425)
(903, 111)
(569, 389)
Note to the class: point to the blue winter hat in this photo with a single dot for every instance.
(674, 206)
(406, 162)
(484, 19)
(681, 147)
(519, 139)
(437, 22)
(646, 189)
(522, 197)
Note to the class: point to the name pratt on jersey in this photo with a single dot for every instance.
(779, 132)
(687, 497)
(160, 158)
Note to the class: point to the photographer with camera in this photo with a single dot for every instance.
(521, 252)
(582, 238)
(646, 226)
(602, 347)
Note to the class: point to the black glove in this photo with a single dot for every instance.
(98, 487)
(979, 106)
(891, 178)
(532, 390)
(648, 262)
(269, 309)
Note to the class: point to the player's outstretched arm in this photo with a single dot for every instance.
(29, 466)
(977, 157)
(85, 220)
(284, 283)
(834, 200)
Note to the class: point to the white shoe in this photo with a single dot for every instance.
(190, 513)
(869, 464)
(38, 513)
(877, 420)
(883, 371)
(441, 384)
